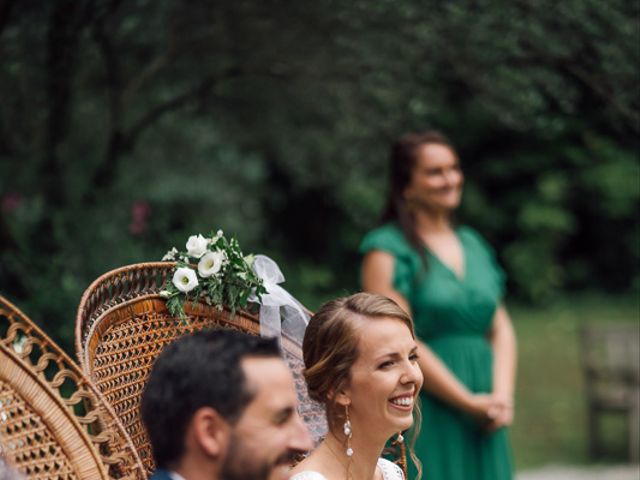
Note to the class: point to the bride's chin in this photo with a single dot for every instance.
(393, 428)
(402, 425)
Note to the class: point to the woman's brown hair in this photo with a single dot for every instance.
(402, 161)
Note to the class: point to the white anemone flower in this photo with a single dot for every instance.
(196, 246)
(185, 279)
(211, 263)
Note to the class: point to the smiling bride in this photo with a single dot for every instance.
(361, 363)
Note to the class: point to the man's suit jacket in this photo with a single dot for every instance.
(160, 475)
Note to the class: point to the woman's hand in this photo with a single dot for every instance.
(482, 407)
(502, 413)
(493, 411)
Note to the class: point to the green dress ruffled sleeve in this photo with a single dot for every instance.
(390, 239)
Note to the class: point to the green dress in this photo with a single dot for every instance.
(452, 316)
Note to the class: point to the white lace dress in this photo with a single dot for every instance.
(390, 471)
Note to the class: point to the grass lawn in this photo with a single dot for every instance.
(550, 424)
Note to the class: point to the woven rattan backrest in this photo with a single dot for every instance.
(53, 423)
(123, 325)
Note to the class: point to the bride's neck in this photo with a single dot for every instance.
(362, 464)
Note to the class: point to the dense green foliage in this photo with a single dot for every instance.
(125, 126)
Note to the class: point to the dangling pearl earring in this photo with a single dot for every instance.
(347, 431)
(400, 438)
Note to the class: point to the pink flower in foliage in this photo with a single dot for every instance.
(140, 211)
(11, 201)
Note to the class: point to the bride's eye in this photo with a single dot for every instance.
(386, 364)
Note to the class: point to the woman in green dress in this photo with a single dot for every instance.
(447, 277)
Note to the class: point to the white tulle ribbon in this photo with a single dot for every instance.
(280, 312)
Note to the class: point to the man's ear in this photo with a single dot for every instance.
(211, 432)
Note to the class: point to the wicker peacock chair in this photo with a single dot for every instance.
(53, 423)
(123, 324)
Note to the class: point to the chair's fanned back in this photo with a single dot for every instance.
(53, 423)
(123, 325)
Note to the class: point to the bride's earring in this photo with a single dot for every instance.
(347, 431)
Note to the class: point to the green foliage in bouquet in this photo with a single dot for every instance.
(214, 271)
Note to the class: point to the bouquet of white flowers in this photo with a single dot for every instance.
(212, 270)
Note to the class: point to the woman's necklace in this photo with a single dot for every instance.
(341, 461)
(347, 464)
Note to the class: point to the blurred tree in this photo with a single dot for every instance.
(125, 126)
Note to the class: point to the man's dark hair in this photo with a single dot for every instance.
(198, 370)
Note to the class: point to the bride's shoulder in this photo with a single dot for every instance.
(308, 475)
(390, 471)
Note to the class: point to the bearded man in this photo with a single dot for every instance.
(221, 405)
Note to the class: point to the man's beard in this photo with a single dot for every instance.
(238, 464)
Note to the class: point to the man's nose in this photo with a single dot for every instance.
(300, 438)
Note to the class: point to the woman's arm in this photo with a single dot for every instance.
(377, 274)
(439, 381)
(503, 342)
